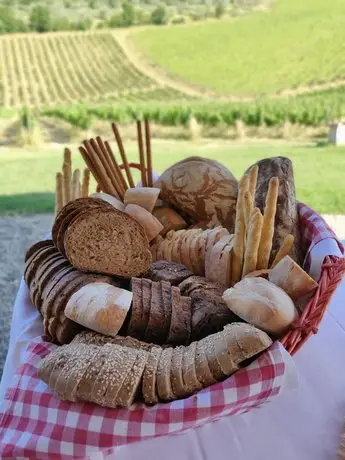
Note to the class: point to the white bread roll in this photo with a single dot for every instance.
(262, 304)
(109, 199)
(292, 278)
(100, 307)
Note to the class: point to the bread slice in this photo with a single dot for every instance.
(202, 369)
(54, 279)
(217, 263)
(196, 267)
(154, 332)
(145, 314)
(180, 326)
(149, 376)
(167, 305)
(41, 272)
(66, 330)
(37, 246)
(176, 375)
(164, 270)
(164, 388)
(131, 384)
(176, 242)
(135, 325)
(207, 344)
(223, 354)
(90, 337)
(186, 247)
(107, 241)
(116, 371)
(190, 380)
(34, 262)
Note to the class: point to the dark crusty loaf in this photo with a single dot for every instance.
(154, 332)
(209, 312)
(163, 270)
(35, 247)
(107, 241)
(136, 326)
(286, 220)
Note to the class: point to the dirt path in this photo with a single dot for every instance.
(162, 77)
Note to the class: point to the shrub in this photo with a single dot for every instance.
(219, 10)
(40, 19)
(159, 16)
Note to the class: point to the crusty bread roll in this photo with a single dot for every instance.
(261, 303)
(146, 197)
(150, 224)
(99, 307)
(292, 279)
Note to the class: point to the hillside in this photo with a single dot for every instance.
(68, 68)
(296, 42)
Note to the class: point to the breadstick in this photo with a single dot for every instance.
(59, 193)
(284, 249)
(253, 178)
(75, 184)
(268, 224)
(253, 241)
(98, 188)
(247, 208)
(86, 182)
(66, 170)
(238, 248)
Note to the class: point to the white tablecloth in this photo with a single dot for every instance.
(301, 424)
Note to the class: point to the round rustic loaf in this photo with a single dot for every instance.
(203, 189)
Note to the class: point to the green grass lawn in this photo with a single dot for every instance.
(27, 177)
(297, 42)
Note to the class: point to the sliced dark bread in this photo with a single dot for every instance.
(190, 380)
(52, 282)
(176, 376)
(136, 325)
(108, 241)
(202, 369)
(35, 247)
(131, 384)
(145, 314)
(41, 271)
(115, 371)
(149, 376)
(164, 388)
(66, 330)
(166, 297)
(180, 326)
(172, 272)
(34, 261)
(154, 331)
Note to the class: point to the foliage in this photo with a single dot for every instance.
(219, 10)
(9, 23)
(40, 19)
(159, 15)
(128, 14)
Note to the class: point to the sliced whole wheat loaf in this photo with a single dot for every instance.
(176, 375)
(154, 332)
(190, 380)
(180, 326)
(164, 388)
(149, 376)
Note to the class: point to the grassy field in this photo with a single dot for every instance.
(27, 177)
(297, 42)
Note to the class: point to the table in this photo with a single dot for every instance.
(301, 424)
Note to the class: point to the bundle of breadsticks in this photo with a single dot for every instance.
(68, 185)
(253, 231)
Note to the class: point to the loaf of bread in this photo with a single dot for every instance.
(113, 373)
(209, 312)
(204, 189)
(263, 304)
(172, 272)
(104, 240)
(292, 279)
(100, 307)
(159, 313)
(286, 218)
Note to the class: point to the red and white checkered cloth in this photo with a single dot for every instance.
(35, 424)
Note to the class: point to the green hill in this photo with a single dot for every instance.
(295, 43)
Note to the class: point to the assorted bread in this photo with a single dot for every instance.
(157, 292)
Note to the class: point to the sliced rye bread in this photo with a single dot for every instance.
(54, 268)
(129, 388)
(176, 376)
(115, 371)
(186, 247)
(166, 297)
(75, 204)
(154, 332)
(35, 247)
(190, 380)
(136, 325)
(34, 261)
(40, 272)
(149, 376)
(145, 315)
(108, 241)
(164, 388)
(66, 330)
(91, 337)
(180, 326)
(202, 369)
(175, 238)
(52, 282)
(163, 270)
(73, 370)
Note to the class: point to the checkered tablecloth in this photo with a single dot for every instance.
(35, 424)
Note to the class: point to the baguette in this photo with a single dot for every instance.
(284, 249)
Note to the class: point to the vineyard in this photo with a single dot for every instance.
(70, 68)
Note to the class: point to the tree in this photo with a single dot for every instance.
(40, 19)
(9, 23)
(219, 10)
(159, 15)
(128, 14)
